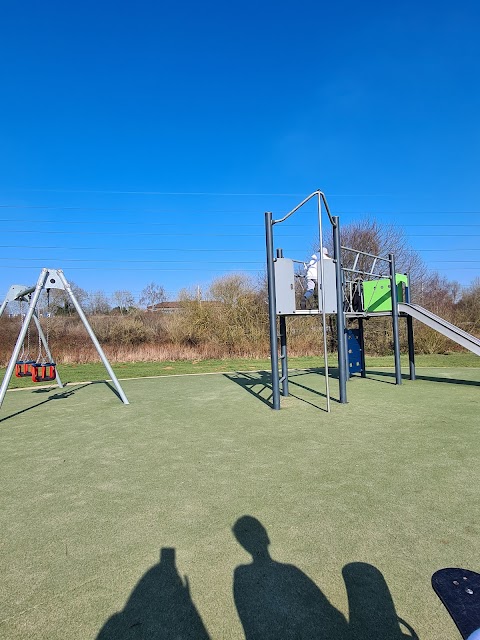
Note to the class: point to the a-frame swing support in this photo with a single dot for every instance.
(49, 279)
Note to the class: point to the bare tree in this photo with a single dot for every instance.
(370, 236)
(469, 307)
(124, 300)
(98, 303)
(60, 303)
(151, 295)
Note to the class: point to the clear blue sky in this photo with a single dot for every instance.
(124, 125)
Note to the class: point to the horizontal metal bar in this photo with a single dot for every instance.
(290, 213)
(366, 273)
(364, 253)
(318, 193)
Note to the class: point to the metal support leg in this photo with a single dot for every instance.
(411, 342)
(3, 307)
(93, 337)
(283, 355)
(342, 352)
(347, 358)
(362, 347)
(411, 347)
(22, 334)
(272, 311)
(396, 338)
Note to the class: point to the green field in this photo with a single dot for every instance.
(96, 371)
(360, 506)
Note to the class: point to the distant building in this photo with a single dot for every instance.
(176, 307)
(165, 307)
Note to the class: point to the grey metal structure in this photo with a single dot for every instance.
(281, 302)
(341, 320)
(341, 292)
(447, 329)
(285, 288)
(396, 337)
(48, 279)
(411, 342)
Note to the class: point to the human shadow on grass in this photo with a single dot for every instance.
(390, 374)
(160, 607)
(277, 601)
(263, 379)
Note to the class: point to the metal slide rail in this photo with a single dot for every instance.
(269, 224)
(447, 329)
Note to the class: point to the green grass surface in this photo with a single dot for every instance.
(96, 371)
(360, 506)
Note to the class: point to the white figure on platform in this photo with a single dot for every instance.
(312, 275)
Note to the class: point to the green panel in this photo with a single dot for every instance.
(376, 293)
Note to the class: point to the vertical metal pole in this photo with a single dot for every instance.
(321, 298)
(93, 337)
(283, 346)
(347, 357)
(272, 311)
(46, 347)
(362, 346)
(283, 355)
(337, 254)
(22, 334)
(396, 339)
(411, 342)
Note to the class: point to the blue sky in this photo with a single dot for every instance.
(143, 141)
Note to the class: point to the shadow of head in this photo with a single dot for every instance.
(252, 535)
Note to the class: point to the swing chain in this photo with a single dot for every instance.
(48, 321)
(42, 357)
(20, 357)
(27, 354)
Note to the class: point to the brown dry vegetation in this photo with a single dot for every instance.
(231, 320)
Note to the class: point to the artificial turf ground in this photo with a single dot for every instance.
(361, 506)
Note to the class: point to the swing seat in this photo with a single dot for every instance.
(43, 371)
(23, 368)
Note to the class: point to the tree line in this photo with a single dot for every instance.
(229, 318)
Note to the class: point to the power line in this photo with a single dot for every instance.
(209, 235)
(186, 250)
(145, 269)
(201, 193)
(190, 224)
(138, 261)
(121, 209)
(120, 233)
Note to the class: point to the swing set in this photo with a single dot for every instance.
(43, 368)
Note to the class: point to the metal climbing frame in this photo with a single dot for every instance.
(334, 221)
(369, 265)
(48, 279)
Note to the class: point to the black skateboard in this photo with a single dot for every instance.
(459, 590)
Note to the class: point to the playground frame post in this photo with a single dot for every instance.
(272, 311)
(396, 338)
(410, 336)
(342, 351)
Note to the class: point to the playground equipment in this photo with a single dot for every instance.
(43, 368)
(370, 287)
